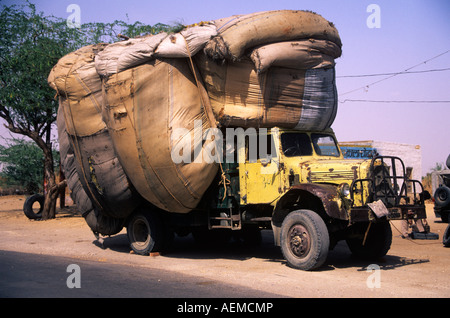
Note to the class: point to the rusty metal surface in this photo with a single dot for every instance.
(365, 214)
(328, 194)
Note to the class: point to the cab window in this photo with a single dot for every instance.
(296, 144)
(325, 145)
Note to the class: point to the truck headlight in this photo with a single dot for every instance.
(344, 189)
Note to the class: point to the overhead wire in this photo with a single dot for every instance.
(395, 74)
(395, 101)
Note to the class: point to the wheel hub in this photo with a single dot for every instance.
(299, 240)
(442, 195)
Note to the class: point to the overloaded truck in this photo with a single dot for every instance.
(224, 128)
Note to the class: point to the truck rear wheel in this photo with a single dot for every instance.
(377, 243)
(304, 240)
(145, 232)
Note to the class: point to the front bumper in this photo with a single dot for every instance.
(404, 212)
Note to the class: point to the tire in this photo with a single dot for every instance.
(145, 232)
(28, 206)
(378, 240)
(442, 196)
(446, 237)
(304, 240)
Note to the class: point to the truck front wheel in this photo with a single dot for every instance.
(304, 240)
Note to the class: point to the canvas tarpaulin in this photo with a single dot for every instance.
(120, 56)
(238, 33)
(285, 97)
(95, 218)
(302, 54)
(144, 106)
(194, 38)
(89, 159)
(75, 78)
(123, 55)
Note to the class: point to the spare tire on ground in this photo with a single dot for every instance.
(29, 207)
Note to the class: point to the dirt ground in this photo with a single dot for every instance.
(412, 268)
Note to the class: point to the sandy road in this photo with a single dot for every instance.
(412, 268)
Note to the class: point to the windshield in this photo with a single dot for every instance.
(299, 144)
(324, 145)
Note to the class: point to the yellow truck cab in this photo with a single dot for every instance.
(313, 197)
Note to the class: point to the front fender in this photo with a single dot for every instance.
(321, 198)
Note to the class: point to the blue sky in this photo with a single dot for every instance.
(410, 33)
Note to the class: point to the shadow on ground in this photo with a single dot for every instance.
(188, 248)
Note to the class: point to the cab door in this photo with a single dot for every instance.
(259, 168)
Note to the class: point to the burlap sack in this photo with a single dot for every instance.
(97, 221)
(302, 54)
(74, 77)
(122, 55)
(143, 107)
(194, 38)
(283, 97)
(239, 33)
(80, 117)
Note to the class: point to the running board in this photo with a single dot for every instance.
(224, 221)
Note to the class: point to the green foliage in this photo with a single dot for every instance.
(23, 165)
(110, 32)
(30, 44)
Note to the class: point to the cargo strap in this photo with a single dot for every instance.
(206, 103)
(74, 139)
